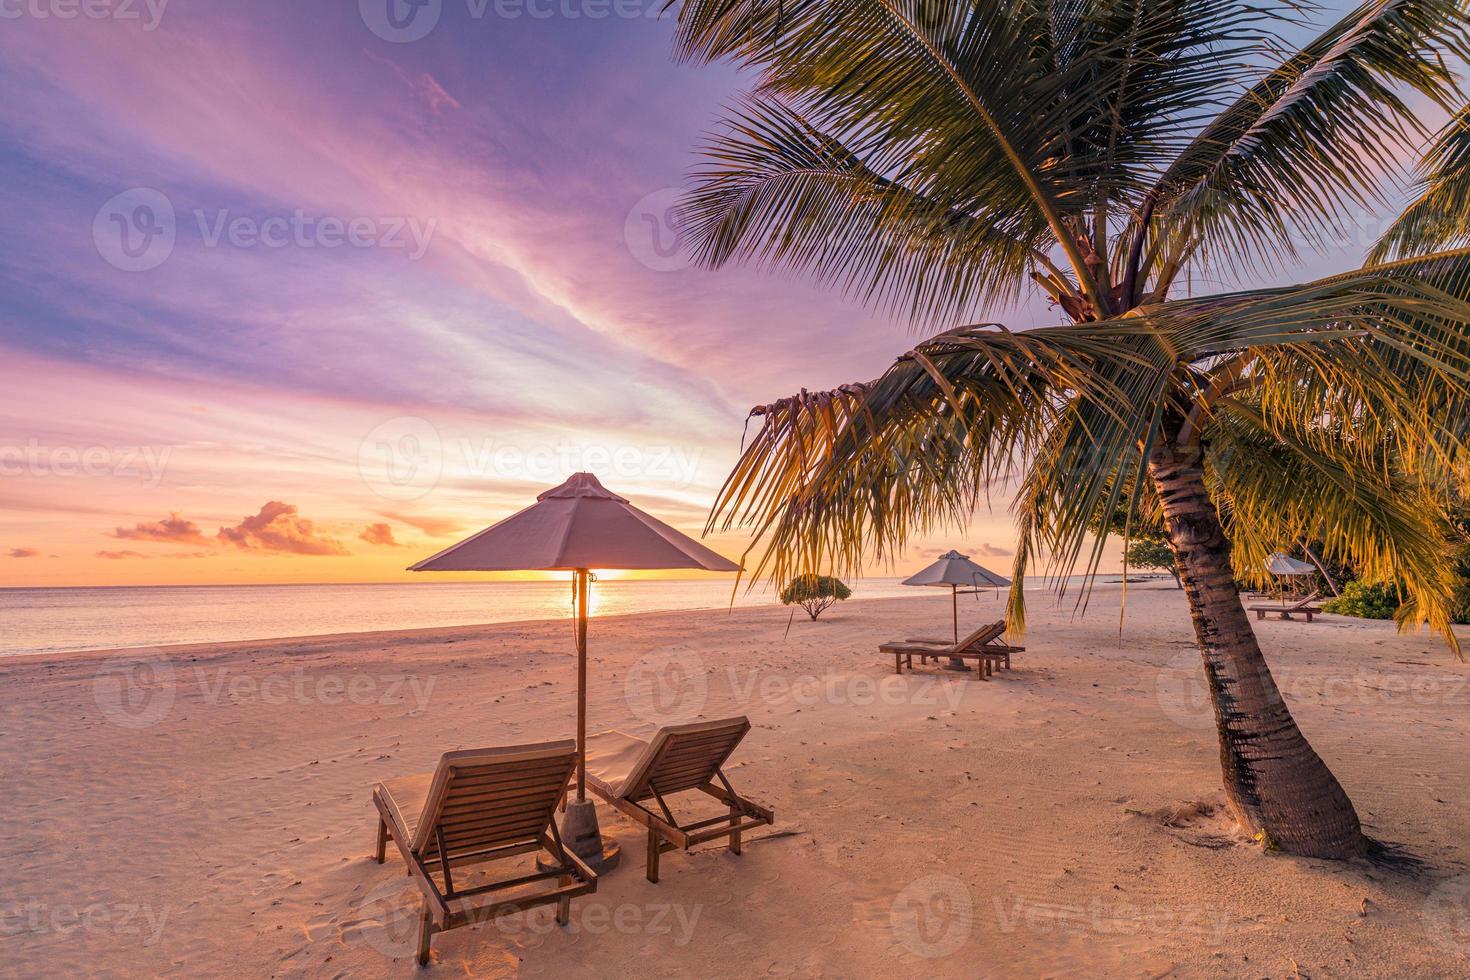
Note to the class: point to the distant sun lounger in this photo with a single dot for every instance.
(482, 805)
(1303, 606)
(984, 646)
(626, 772)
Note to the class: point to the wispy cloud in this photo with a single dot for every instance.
(120, 555)
(172, 529)
(24, 552)
(434, 527)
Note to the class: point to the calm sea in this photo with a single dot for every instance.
(66, 620)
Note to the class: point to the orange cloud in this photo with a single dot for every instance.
(173, 530)
(119, 555)
(23, 552)
(380, 534)
(279, 527)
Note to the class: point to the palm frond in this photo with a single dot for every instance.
(1440, 216)
(1316, 134)
(1072, 414)
(777, 192)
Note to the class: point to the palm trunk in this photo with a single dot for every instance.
(1278, 789)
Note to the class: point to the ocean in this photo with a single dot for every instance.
(73, 619)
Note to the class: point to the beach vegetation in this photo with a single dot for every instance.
(814, 593)
(1142, 166)
(1365, 601)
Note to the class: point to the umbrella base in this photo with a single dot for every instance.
(581, 835)
(955, 663)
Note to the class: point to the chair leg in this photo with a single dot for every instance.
(564, 904)
(734, 834)
(426, 932)
(898, 663)
(382, 849)
(653, 849)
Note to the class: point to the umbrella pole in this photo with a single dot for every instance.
(579, 829)
(954, 599)
(581, 575)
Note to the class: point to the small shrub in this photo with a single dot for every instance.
(1364, 601)
(814, 593)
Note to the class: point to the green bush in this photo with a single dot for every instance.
(814, 593)
(1152, 552)
(1364, 601)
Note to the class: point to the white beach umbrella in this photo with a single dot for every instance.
(1279, 564)
(955, 571)
(577, 527)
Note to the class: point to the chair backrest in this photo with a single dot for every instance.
(982, 636)
(1306, 601)
(682, 757)
(482, 799)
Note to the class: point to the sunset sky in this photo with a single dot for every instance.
(282, 299)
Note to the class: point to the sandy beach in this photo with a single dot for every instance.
(204, 811)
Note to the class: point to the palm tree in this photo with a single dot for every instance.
(931, 156)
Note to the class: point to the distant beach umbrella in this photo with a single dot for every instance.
(1285, 568)
(578, 527)
(1279, 564)
(956, 572)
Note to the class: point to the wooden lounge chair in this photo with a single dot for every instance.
(983, 646)
(627, 772)
(1302, 605)
(482, 805)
